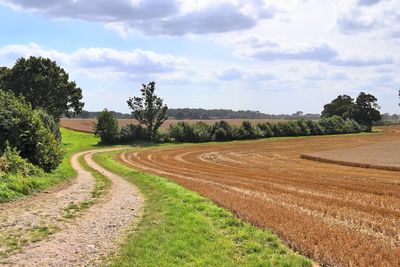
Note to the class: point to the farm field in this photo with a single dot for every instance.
(338, 215)
(86, 125)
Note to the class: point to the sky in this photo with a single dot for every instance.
(272, 56)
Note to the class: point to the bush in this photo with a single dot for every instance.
(50, 123)
(266, 129)
(185, 132)
(248, 131)
(315, 127)
(12, 163)
(25, 130)
(106, 127)
(131, 133)
(222, 131)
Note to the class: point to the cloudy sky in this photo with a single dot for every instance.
(272, 56)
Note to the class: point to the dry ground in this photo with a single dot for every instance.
(86, 125)
(338, 215)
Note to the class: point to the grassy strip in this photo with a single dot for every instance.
(181, 228)
(18, 186)
(102, 184)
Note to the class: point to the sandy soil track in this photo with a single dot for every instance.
(84, 240)
(338, 215)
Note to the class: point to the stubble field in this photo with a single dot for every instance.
(338, 215)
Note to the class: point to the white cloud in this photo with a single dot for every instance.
(234, 73)
(111, 62)
(318, 51)
(156, 17)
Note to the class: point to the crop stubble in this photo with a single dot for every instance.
(338, 215)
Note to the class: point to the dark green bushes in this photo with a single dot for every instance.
(199, 132)
(29, 131)
(222, 131)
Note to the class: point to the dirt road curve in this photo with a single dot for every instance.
(82, 241)
(338, 215)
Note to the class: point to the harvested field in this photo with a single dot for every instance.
(338, 215)
(86, 125)
(383, 156)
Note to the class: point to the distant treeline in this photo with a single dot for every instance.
(388, 119)
(206, 114)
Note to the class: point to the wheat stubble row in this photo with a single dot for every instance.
(338, 215)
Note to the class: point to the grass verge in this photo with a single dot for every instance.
(181, 228)
(73, 142)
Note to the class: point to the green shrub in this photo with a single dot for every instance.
(131, 133)
(185, 132)
(222, 131)
(315, 127)
(12, 163)
(50, 123)
(106, 127)
(25, 130)
(266, 129)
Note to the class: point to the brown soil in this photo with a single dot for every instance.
(338, 215)
(86, 125)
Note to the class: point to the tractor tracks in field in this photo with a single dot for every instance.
(44, 232)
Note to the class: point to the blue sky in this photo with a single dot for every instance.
(272, 56)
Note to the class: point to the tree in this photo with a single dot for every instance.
(44, 85)
(367, 110)
(4, 71)
(342, 106)
(106, 127)
(23, 128)
(149, 109)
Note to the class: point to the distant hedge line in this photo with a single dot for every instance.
(222, 131)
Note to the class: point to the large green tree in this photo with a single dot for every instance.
(367, 110)
(342, 106)
(149, 109)
(364, 109)
(44, 85)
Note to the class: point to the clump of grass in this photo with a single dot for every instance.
(181, 228)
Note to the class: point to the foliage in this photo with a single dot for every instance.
(149, 109)
(367, 110)
(222, 131)
(50, 123)
(131, 133)
(106, 127)
(44, 85)
(24, 129)
(342, 106)
(12, 163)
(364, 110)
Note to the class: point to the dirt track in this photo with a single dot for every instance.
(82, 241)
(338, 215)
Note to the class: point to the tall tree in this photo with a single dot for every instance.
(367, 110)
(44, 84)
(148, 109)
(342, 106)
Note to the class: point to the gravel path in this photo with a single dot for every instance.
(86, 240)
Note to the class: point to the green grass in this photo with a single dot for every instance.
(17, 186)
(181, 228)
